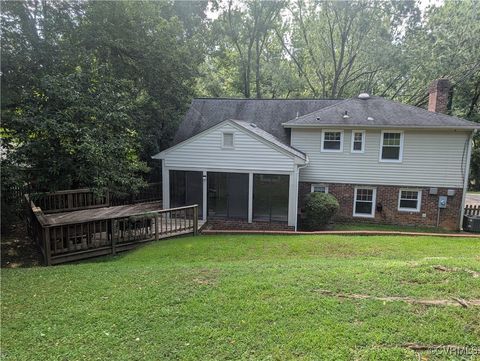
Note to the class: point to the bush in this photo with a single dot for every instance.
(319, 210)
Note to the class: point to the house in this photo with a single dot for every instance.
(249, 162)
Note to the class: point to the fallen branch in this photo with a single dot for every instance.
(417, 347)
(427, 302)
(475, 274)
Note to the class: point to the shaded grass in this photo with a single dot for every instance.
(244, 297)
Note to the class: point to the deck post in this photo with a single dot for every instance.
(46, 243)
(156, 227)
(195, 219)
(69, 201)
(250, 197)
(112, 238)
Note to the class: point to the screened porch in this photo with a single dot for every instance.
(250, 197)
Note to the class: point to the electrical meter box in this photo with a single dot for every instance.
(442, 202)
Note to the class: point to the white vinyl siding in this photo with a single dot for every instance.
(431, 158)
(248, 154)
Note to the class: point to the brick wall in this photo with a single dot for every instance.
(229, 224)
(387, 196)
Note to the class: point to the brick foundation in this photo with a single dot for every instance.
(387, 196)
(232, 224)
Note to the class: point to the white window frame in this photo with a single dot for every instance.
(323, 140)
(419, 200)
(400, 156)
(363, 141)
(312, 187)
(374, 202)
(223, 140)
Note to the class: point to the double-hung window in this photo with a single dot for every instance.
(409, 200)
(391, 149)
(332, 141)
(364, 202)
(358, 141)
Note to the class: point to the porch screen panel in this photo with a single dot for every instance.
(270, 197)
(237, 195)
(227, 195)
(217, 195)
(186, 189)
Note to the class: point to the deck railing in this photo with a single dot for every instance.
(152, 192)
(78, 240)
(70, 200)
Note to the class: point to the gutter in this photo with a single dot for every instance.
(466, 177)
(307, 161)
(379, 126)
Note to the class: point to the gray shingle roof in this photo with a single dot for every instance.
(252, 127)
(266, 114)
(379, 112)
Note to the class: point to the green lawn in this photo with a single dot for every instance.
(245, 297)
(388, 227)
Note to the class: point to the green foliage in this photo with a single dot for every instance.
(91, 90)
(237, 297)
(319, 210)
(78, 130)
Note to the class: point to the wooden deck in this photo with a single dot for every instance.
(100, 230)
(103, 213)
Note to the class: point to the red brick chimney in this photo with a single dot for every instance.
(439, 92)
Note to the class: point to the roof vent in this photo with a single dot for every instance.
(363, 96)
(345, 116)
(370, 119)
(253, 125)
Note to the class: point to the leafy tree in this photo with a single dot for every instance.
(78, 130)
(92, 89)
(240, 38)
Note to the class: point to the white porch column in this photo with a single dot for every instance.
(250, 197)
(293, 198)
(204, 198)
(165, 186)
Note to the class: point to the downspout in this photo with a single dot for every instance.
(297, 171)
(466, 177)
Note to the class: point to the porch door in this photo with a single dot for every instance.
(227, 195)
(270, 197)
(186, 189)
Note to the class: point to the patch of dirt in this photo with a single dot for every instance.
(456, 302)
(207, 277)
(474, 274)
(18, 250)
